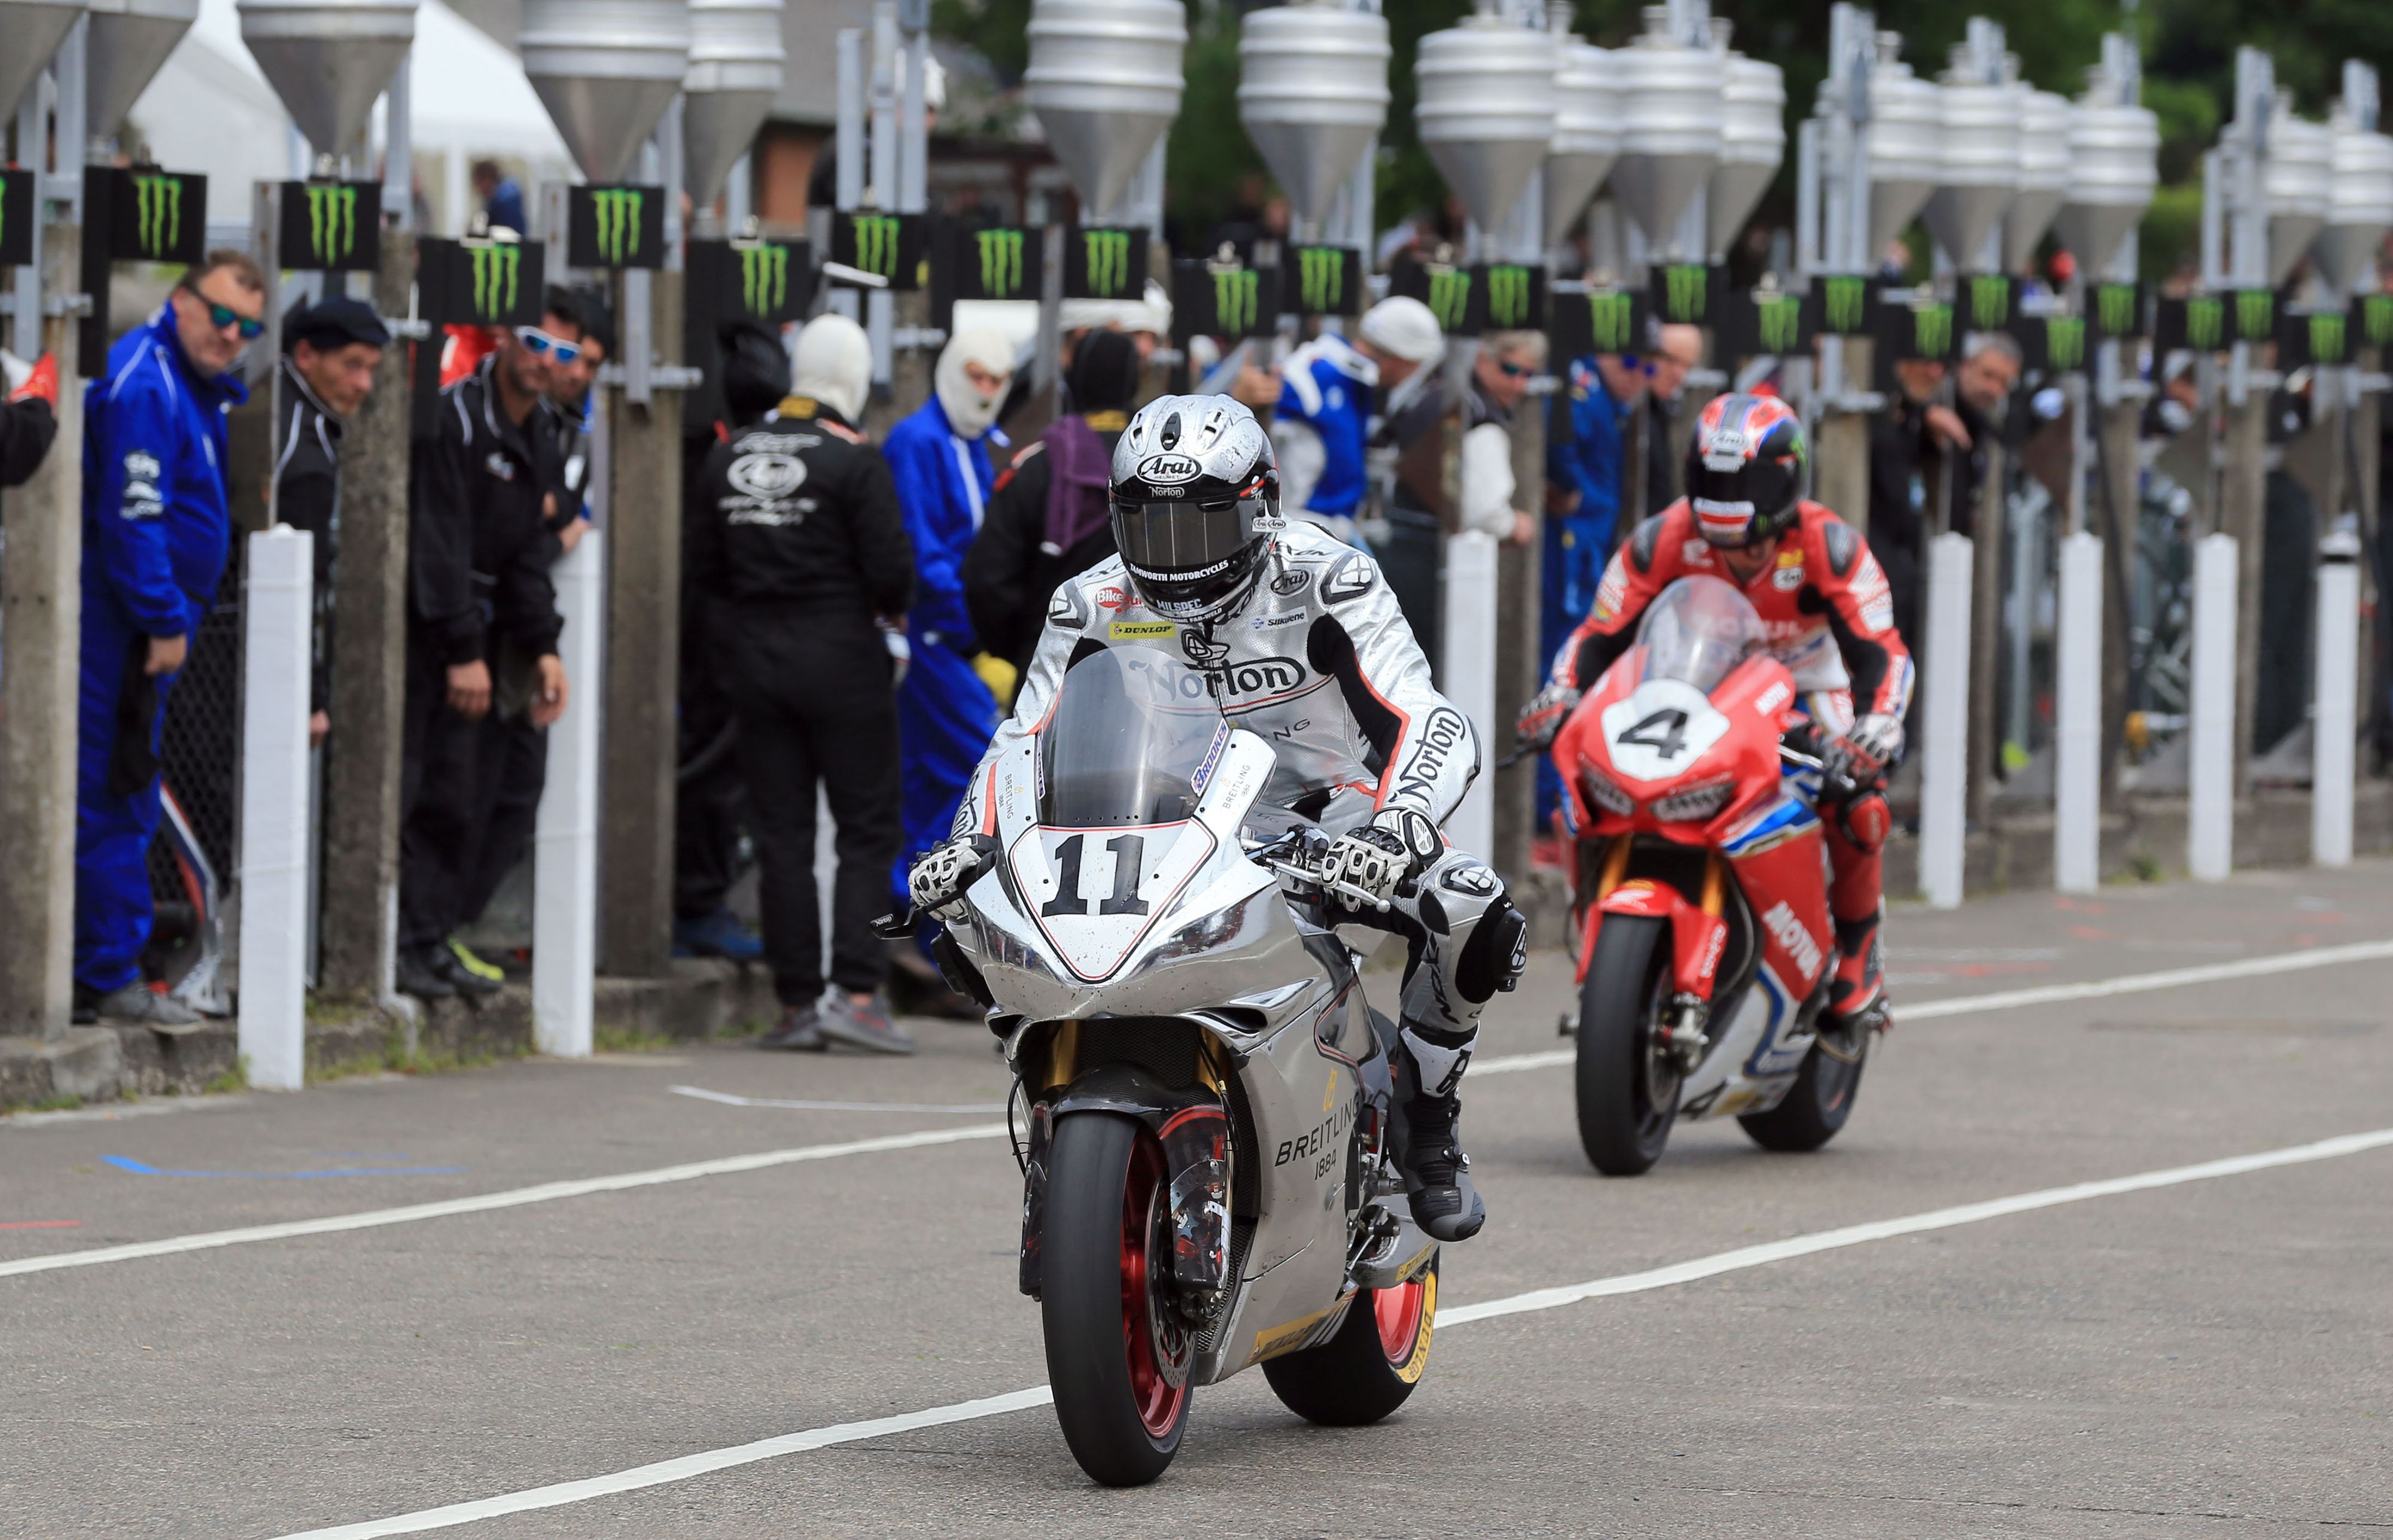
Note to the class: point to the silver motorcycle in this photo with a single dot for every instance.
(1211, 1155)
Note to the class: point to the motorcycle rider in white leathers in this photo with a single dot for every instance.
(1305, 645)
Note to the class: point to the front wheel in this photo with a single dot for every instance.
(1367, 1370)
(1628, 1086)
(1119, 1352)
(1821, 1098)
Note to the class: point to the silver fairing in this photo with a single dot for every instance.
(1224, 946)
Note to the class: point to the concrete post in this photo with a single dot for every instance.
(565, 844)
(2119, 428)
(2077, 777)
(41, 635)
(358, 923)
(278, 603)
(1520, 670)
(2211, 730)
(1469, 673)
(1841, 480)
(2242, 513)
(1945, 706)
(1985, 631)
(643, 661)
(2334, 722)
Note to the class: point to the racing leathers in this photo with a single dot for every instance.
(1829, 617)
(1317, 660)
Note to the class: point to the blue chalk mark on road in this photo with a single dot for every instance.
(124, 1162)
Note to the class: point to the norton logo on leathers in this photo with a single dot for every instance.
(1165, 470)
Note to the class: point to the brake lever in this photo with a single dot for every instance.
(1331, 885)
(896, 927)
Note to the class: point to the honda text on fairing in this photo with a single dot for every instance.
(1210, 1150)
(1701, 893)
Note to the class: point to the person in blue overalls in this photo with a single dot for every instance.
(156, 529)
(1587, 477)
(1326, 405)
(946, 707)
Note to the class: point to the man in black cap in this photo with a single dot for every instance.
(330, 352)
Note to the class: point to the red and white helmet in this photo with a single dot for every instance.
(1745, 470)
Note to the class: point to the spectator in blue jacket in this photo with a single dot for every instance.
(156, 529)
(1586, 477)
(946, 707)
(1325, 402)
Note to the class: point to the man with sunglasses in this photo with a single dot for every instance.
(156, 530)
(482, 629)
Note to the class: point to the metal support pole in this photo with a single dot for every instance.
(278, 597)
(398, 147)
(2077, 781)
(565, 843)
(2334, 729)
(1944, 756)
(2210, 730)
(41, 627)
(1469, 675)
(880, 313)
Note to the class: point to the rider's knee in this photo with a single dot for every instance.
(1865, 822)
(1496, 952)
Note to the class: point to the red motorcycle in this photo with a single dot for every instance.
(1701, 905)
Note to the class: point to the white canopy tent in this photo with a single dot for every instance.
(211, 111)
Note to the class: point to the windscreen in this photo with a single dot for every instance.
(1699, 631)
(1134, 734)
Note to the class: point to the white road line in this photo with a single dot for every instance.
(690, 1466)
(2280, 962)
(727, 1099)
(512, 1198)
(2047, 994)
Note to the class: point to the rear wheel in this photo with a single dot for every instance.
(1119, 1352)
(1628, 1087)
(1821, 1098)
(1367, 1370)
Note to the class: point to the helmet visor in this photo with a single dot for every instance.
(1179, 542)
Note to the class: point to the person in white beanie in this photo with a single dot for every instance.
(798, 551)
(946, 710)
(1325, 408)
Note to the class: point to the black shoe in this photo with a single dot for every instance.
(419, 973)
(462, 979)
(1437, 1174)
(799, 1030)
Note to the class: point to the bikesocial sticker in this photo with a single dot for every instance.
(1658, 733)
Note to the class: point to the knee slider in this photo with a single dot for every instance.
(1867, 821)
(1496, 953)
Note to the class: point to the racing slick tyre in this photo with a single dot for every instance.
(1368, 1369)
(1821, 1097)
(1119, 1351)
(1627, 1088)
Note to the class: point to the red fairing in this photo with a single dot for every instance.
(1696, 939)
(1757, 700)
(1782, 881)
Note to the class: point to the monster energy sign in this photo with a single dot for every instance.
(763, 279)
(1931, 330)
(2205, 324)
(2375, 319)
(1778, 322)
(480, 282)
(1686, 294)
(1236, 300)
(330, 227)
(2117, 308)
(1511, 296)
(1601, 321)
(1321, 274)
(616, 227)
(1450, 296)
(875, 236)
(2064, 343)
(2255, 315)
(1001, 262)
(1990, 302)
(1107, 253)
(1844, 304)
(498, 279)
(1612, 320)
(16, 218)
(148, 215)
(2327, 337)
(1103, 262)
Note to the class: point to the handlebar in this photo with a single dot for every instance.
(1314, 876)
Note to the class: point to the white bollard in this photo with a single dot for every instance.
(565, 843)
(1468, 677)
(1944, 726)
(2077, 781)
(2209, 727)
(278, 600)
(2334, 721)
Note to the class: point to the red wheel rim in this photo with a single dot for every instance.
(1154, 1340)
(1399, 1312)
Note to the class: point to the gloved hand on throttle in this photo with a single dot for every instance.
(1864, 753)
(937, 882)
(1541, 720)
(1395, 846)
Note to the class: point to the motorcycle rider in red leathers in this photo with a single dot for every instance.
(1825, 602)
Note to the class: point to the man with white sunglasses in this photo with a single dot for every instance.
(482, 627)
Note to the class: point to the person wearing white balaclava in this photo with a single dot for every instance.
(946, 709)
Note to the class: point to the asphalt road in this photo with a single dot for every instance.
(2210, 1353)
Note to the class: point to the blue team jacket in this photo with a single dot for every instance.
(1326, 385)
(1590, 458)
(156, 523)
(944, 484)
